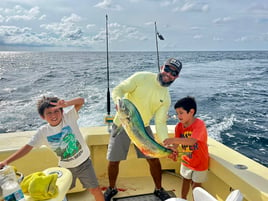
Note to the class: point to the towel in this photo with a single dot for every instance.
(26, 181)
(40, 186)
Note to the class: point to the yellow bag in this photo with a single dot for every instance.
(40, 186)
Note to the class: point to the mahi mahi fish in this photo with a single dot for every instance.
(134, 127)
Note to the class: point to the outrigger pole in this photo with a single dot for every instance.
(108, 118)
(157, 35)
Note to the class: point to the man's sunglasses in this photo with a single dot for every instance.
(167, 69)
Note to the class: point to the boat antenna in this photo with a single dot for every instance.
(108, 118)
(157, 35)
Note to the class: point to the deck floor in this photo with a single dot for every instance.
(135, 186)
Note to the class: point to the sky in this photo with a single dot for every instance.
(186, 25)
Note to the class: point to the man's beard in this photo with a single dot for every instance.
(162, 83)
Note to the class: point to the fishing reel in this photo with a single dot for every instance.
(108, 119)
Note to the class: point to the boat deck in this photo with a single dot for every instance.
(228, 169)
(130, 186)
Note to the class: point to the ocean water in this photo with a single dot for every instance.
(230, 88)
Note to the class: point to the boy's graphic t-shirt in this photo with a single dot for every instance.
(197, 155)
(65, 140)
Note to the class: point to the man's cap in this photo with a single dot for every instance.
(174, 63)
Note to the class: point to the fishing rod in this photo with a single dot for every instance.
(157, 35)
(108, 118)
(108, 73)
(160, 37)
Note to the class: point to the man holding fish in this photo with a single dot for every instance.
(149, 93)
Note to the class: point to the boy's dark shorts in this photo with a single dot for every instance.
(86, 174)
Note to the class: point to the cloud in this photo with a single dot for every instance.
(73, 34)
(107, 4)
(67, 32)
(42, 17)
(67, 28)
(119, 32)
(123, 32)
(13, 30)
(89, 26)
(264, 37)
(222, 20)
(57, 24)
(194, 7)
(259, 9)
(198, 37)
(217, 38)
(99, 37)
(149, 23)
(19, 13)
(195, 28)
(71, 19)
(2, 19)
(168, 3)
(19, 36)
(242, 39)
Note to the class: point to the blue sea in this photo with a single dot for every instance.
(230, 88)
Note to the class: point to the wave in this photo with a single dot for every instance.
(217, 127)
